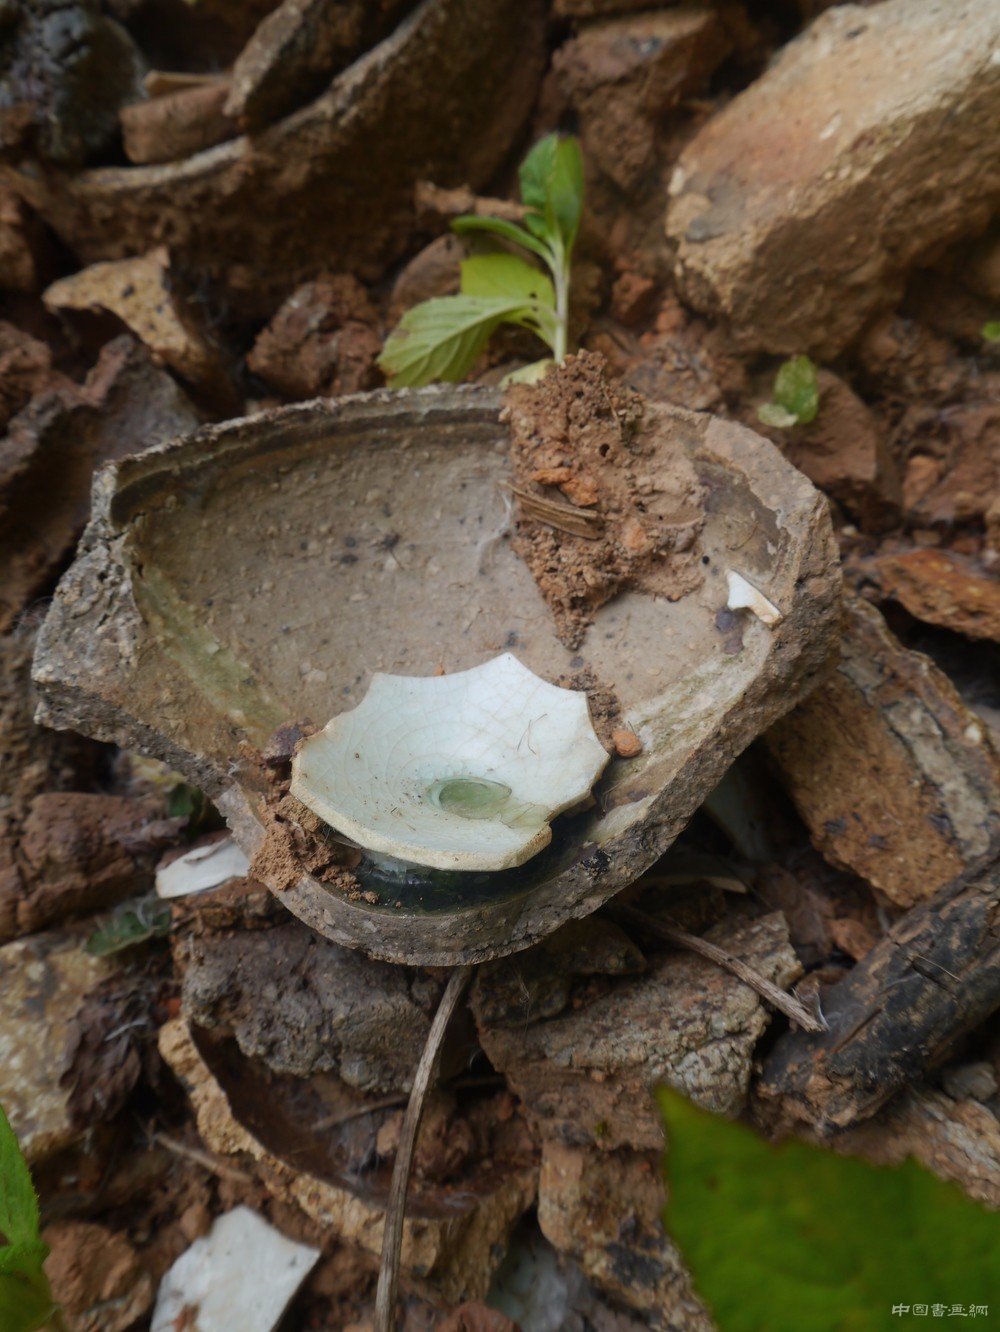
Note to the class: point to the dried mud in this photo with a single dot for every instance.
(604, 502)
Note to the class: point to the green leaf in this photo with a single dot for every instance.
(535, 172)
(26, 1302)
(529, 374)
(773, 415)
(796, 388)
(991, 330)
(149, 919)
(509, 231)
(443, 338)
(505, 276)
(566, 189)
(795, 1237)
(18, 1203)
(552, 184)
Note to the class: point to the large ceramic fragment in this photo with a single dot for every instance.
(333, 181)
(260, 572)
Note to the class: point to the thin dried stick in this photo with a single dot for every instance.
(203, 1159)
(390, 1102)
(785, 1003)
(392, 1235)
(358, 1112)
(566, 517)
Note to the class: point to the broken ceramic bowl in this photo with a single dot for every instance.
(262, 571)
(455, 772)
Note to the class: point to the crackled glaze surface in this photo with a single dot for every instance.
(457, 772)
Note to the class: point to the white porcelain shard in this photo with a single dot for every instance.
(202, 868)
(242, 1275)
(455, 772)
(744, 596)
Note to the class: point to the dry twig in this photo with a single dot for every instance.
(785, 1003)
(565, 517)
(392, 1235)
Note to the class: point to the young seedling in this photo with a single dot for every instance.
(991, 331)
(26, 1302)
(442, 339)
(796, 395)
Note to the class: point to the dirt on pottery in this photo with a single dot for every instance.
(604, 501)
(296, 841)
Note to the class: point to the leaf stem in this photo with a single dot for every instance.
(560, 279)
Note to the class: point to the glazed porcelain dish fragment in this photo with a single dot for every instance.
(454, 772)
(267, 570)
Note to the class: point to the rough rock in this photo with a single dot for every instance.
(79, 853)
(143, 293)
(26, 252)
(845, 452)
(932, 978)
(945, 589)
(979, 266)
(453, 1255)
(958, 1139)
(179, 37)
(323, 341)
(538, 983)
(622, 76)
(897, 357)
(66, 69)
(937, 298)
(51, 449)
(475, 1318)
(43, 981)
(304, 1005)
(25, 369)
(826, 909)
(797, 210)
(261, 214)
(167, 128)
(604, 1209)
(682, 360)
(97, 1277)
(34, 758)
(892, 773)
(953, 461)
(585, 1075)
(436, 270)
(297, 50)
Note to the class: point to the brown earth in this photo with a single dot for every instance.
(630, 506)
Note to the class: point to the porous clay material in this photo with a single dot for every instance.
(458, 772)
(261, 571)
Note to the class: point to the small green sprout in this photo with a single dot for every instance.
(133, 923)
(441, 339)
(796, 395)
(991, 331)
(26, 1302)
